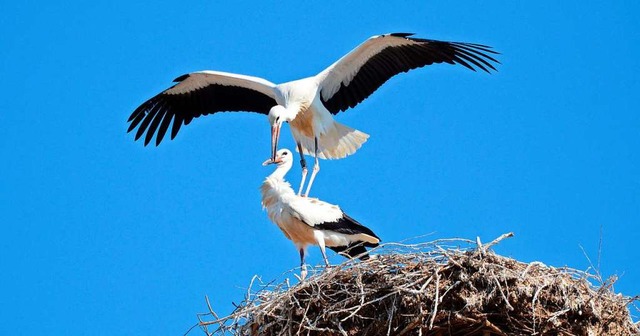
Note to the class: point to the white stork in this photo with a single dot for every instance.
(310, 221)
(308, 104)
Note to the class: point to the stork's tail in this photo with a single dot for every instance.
(338, 142)
(356, 249)
(359, 237)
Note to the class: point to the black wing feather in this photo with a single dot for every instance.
(153, 127)
(349, 226)
(164, 126)
(158, 112)
(177, 123)
(397, 59)
(346, 225)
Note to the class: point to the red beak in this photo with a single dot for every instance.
(271, 161)
(275, 136)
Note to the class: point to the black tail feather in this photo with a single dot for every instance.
(353, 250)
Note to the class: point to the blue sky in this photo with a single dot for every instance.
(101, 235)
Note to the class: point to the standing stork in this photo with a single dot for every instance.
(310, 221)
(308, 104)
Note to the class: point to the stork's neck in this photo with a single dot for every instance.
(280, 172)
(275, 189)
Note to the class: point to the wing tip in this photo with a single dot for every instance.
(131, 128)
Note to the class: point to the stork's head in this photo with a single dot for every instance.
(282, 158)
(277, 116)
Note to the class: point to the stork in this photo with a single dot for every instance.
(308, 104)
(310, 221)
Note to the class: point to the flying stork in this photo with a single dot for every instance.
(308, 104)
(310, 221)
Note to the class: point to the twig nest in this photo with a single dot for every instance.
(434, 289)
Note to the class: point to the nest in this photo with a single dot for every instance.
(437, 288)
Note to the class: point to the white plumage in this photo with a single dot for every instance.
(309, 221)
(307, 104)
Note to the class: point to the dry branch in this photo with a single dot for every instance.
(445, 287)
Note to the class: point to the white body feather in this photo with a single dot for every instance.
(311, 102)
(310, 119)
(297, 216)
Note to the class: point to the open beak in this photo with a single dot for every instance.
(272, 161)
(275, 135)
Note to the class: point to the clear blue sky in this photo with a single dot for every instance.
(103, 236)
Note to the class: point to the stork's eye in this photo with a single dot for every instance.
(285, 153)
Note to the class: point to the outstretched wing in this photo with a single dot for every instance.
(197, 94)
(362, 71)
